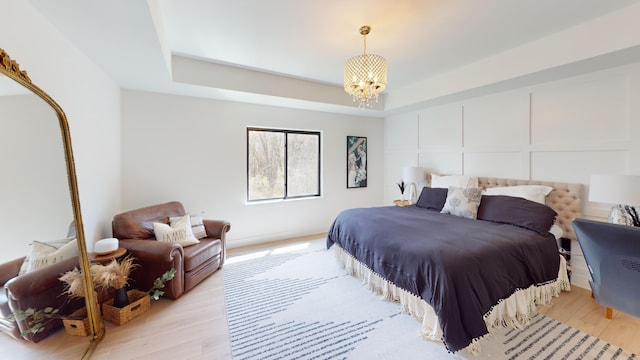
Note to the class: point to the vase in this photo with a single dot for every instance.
(413, 194)
(120, 298)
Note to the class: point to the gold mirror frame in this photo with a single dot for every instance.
(11, 69)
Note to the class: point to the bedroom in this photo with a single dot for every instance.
(115, 173)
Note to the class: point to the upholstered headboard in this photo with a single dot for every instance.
(565, 199)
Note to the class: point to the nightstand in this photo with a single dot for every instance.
(401, 202)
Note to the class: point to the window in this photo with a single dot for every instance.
(282, 164)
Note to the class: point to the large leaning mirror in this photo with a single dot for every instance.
(41, 218)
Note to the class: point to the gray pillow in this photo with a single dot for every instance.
(517, 211)
(432, 198)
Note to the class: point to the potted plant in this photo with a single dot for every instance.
(114, 275)
(401, 186)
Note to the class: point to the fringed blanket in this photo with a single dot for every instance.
(473, 275)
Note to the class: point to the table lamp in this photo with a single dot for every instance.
(106, 246)
(413, 175)
(621, 190)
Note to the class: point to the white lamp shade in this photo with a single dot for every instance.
(615, 189)
(413, 174)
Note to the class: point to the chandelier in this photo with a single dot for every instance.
(365, 76)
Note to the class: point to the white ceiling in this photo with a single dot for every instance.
(133, 40)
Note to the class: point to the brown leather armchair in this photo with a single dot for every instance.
(134, 230)
(37, 289)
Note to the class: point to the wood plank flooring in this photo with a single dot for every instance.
(195, 326)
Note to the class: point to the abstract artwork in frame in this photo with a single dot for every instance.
(356, 162)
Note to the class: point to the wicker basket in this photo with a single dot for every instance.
(77, 323)
(139, 303)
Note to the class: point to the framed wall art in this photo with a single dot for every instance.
(356, 162)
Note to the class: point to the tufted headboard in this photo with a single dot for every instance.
(565, 199)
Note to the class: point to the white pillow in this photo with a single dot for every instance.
(180, 232)
(462, 181)
(556, 230)
(197, 225)
(462, 202)
(535, 193)
(47, 253)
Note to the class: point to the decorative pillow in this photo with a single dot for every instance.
(432, 198)
(47, 253)
(556, 231)
(463, 181)
(535, 193)
(517, 211)
(462, 202)
(624, 215)
(197, 225)
(180, 232)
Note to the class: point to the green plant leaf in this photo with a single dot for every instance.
(159, 283)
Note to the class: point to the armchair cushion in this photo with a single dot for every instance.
(195, 256)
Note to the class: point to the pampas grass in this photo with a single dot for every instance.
(113, 275)
(73, 280)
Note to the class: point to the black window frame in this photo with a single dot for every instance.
(286, 132)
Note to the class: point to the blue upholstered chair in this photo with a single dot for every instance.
(612, 253)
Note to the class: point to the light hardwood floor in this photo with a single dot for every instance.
(195, 327)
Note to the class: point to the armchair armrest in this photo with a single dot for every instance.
(26, 286)
(155, 258)
(216, 228)
(10, 269)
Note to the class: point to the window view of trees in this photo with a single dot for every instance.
(282, 164)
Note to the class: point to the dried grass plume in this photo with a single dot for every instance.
(73, 280)
(113, 275)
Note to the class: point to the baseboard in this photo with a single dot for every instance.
(268, 240)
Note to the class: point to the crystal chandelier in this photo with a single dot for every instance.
(365, 76)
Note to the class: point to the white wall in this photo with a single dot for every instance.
(561, 131)
(23, 185)
(90, 99)
(194, 150)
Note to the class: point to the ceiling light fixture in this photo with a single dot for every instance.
(365, 76)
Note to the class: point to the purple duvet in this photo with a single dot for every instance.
(461, 267)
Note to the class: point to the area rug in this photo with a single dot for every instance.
(300, 304)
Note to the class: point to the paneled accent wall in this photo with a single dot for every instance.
(563, 131)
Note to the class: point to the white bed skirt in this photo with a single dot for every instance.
(512, 312)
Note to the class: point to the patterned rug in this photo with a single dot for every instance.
(300, 304)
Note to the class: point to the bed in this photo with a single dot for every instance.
(462, 276)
